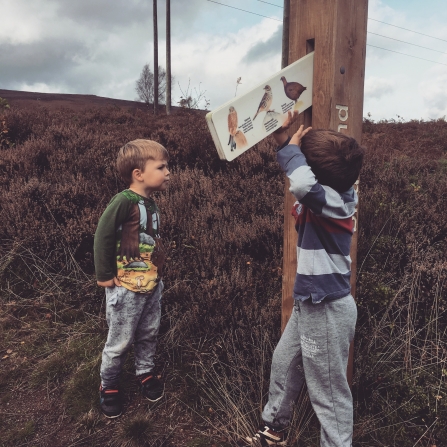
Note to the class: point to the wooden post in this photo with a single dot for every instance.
(168, 57)
(285, 34)
(336, 31)
(155, 19)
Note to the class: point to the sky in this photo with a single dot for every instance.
(99, 47)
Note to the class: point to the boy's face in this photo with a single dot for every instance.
(155, 176)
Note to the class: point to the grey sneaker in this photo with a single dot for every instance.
(151, 387)
(265, 437)
(110, 401)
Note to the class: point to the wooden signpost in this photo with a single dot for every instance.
(326, 42)
(242, 122)
(336, 31)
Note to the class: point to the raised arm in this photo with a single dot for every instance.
(322, 200)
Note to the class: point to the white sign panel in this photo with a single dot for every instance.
(242, 122)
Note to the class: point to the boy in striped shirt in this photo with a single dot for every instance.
(322, 167)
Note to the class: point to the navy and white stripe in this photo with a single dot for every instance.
(324, 224)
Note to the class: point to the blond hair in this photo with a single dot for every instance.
(135, 154)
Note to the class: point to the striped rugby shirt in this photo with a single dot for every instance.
(325, 226)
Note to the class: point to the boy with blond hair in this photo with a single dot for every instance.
(129, 257)
(322, 167)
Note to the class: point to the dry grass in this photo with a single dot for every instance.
(233, 392)
(221, 312)
(401, 351)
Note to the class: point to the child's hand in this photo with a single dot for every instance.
(296, 138)
(291, 118)
(280, 135)
(110, 283)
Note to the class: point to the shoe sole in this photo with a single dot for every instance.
(154, 400)
(112, 417)
(257, 441)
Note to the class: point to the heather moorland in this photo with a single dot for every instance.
(222, 223)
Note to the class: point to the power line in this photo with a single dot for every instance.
(375, 20)
(244, 10)
(278, 6)
(409, 55)
(403, 41)
(406, 29)
(385, 49)
(273, 4)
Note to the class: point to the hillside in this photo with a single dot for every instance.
(55, 101)
(222, 223)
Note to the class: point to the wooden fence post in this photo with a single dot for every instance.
(336, 31)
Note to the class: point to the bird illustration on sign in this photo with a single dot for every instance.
(232, 127)
(237, 138)
(245, 120)
(266, 101)
(293, 90)
(240, 140)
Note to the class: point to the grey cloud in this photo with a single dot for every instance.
(100, 46)
(380, 91)
(182, 9)
(73, 61)
(378, 87)
(105, 14)
(265, 49)
(437, 101)
(186, 17)
(43, 61)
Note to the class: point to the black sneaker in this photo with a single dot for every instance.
(265, 437)
(151, 387)
(110, 401)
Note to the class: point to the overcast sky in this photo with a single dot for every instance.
(100, 47)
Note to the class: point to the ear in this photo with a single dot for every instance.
(136, 174)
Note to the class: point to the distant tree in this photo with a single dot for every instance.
(145, 85)
(193, 98)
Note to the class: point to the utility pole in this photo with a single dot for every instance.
(155, 56)
(285, 34)
(336, 31)
(168, 57)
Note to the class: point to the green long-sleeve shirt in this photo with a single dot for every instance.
(125, 241)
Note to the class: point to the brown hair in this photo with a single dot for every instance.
(135, 154)
(334, 158)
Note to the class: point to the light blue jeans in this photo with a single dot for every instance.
(314, 348)
(132, 318)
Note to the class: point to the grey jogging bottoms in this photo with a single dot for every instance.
(132, 318)
(315, 347)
